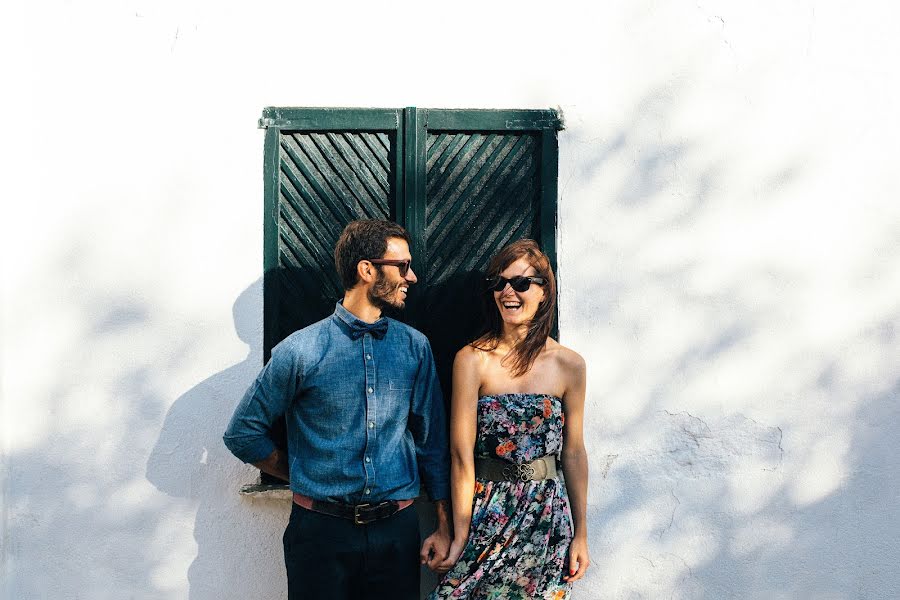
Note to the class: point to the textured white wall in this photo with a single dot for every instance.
(729, 258)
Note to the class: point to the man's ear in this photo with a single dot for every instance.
(365, 271)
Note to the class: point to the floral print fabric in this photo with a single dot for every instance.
(520, 532)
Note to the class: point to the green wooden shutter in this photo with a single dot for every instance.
(324, 168)
(489, 179)
(464, 183)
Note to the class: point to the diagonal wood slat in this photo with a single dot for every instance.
(326, 179)
(446, 218)
(482, 197)
(483, 191)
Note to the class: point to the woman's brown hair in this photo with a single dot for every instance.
(526, 351)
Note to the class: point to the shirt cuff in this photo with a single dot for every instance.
(438, 490)
(250, 450)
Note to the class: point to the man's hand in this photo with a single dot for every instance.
(435, 549)
(275, 464)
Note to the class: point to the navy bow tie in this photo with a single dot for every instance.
(377, 329)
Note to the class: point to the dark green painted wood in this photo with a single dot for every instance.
(482, 192)
(270, 241)
(492, 120)
(323, 119)
(463, 182)
(272, 277)
(549, 182)
(398, 168)
(414, 203)
(322, 169)
(326, 181)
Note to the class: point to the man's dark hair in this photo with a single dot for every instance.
(363, 240)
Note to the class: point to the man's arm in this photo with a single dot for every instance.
(270, 395)
(436, 546)
(428, 425)
(275, 464)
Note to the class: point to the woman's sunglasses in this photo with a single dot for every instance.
(402, 265)
(519, 283)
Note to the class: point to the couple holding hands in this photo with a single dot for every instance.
(365, 417)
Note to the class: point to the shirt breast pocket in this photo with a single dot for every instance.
(400, 385)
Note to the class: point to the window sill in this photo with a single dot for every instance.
(267, 491)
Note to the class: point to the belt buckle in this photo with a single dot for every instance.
(523, 472)
(357, 520)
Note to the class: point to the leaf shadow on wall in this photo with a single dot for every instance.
(238, 540)
(743, 408)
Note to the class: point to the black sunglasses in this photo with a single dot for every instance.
(519, 283)
(402, 265)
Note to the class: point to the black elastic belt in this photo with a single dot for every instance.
(493, 469)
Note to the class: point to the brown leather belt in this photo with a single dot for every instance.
(493, 469)
(360, 514)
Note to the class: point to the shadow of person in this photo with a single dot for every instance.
(239, 551)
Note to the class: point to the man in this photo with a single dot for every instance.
(364, 415)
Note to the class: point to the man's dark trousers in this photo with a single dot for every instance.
(332, 558)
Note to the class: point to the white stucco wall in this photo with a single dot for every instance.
(729, 249)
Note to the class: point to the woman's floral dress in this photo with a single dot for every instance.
(520, 532)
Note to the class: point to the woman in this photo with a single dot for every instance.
(517, 406)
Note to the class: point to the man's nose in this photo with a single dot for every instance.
(411, 275)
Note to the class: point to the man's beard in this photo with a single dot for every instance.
(383, 292)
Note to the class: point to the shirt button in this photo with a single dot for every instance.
(368, 357)
(371, 390)
(368, 492)
(367, 459)
(371, 424)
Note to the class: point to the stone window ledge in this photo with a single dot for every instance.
(267, 491)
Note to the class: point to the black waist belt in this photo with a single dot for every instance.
(360, 514)
(493, 469)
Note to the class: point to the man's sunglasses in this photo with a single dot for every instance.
(402, 265)
(519, 283)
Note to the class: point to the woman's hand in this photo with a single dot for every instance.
(579, 559)
(456, 548)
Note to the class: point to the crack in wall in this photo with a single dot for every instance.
(672, 517)
(717, 447)
(610, 459)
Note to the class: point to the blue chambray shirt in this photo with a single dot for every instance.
(364, 416)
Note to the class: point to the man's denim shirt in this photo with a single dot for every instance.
(363, 415)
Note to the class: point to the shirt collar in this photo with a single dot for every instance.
(356, 327)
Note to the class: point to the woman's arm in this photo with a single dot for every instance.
(463, 425)
(574, 462)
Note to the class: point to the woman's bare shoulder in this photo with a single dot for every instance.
(565, 357)
(470, 357)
